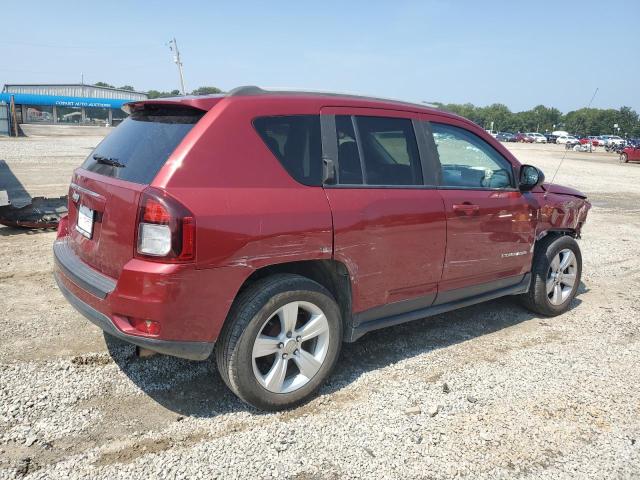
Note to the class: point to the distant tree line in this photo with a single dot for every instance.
(585, 121)
(161, 94)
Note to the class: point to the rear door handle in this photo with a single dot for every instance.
(466, 209)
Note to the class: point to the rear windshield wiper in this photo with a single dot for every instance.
(108, 161)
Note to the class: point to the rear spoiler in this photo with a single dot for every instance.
(204, 102)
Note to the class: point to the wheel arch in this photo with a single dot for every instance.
(331, 274)
(553, 234)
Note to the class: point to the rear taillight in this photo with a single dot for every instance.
(165, 228)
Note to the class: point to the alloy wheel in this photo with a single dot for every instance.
(561, 276)
(291, 347)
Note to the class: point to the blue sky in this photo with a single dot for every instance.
(552, 53)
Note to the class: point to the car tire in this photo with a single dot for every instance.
(555, 275)
(624, 158)
(253, 344)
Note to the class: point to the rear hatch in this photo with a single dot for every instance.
(105, 190)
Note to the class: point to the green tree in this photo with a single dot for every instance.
(628, 122)
(158, 94)
(127, 87)
(206, 91)
(103, 84)
(498, 114)
(545, 118)
(585, 121)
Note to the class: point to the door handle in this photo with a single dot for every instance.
(466, 209)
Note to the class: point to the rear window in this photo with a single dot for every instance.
(295, 141)
(137, 149)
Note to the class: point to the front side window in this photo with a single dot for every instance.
(295, 141)
(467, 161)
(388, 149)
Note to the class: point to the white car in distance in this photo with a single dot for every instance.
(570, 139)
(538, 137)
(612, 140)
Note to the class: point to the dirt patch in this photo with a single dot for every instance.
(92, 359)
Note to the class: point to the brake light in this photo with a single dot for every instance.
(165, 228)
(154, 212)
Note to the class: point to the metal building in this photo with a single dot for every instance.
(72, 104)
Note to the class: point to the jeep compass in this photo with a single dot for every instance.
(268, 227)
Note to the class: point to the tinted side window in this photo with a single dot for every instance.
(349, 168)
(390, 151)
(468, 161)
(295, 141)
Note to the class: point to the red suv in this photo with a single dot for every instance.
(276, 225)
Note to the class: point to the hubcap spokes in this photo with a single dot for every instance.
(561, 277)
(290, 347)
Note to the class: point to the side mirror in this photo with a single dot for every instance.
(530, 177)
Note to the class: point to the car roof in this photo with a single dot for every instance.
(321, 98)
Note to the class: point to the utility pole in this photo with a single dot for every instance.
(173, 46)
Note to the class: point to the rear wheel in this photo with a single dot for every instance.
(556, 272)
(624, 158)
(280, 342)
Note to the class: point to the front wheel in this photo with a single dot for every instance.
(280, 342)
(624, 158)
(556, 272)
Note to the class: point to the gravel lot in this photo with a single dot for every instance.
(490, 391)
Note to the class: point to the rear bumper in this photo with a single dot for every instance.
(163, 296)
(189, 350)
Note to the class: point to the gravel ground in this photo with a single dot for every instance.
(490, 391)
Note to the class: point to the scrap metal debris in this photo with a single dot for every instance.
(42, 212)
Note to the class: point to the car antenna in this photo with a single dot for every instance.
(546, 192)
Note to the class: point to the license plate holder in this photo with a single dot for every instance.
(84, 225)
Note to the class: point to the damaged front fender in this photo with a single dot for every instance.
(561, 212)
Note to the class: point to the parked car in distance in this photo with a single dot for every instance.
(524, 138)
(559, 133)
(567, 139)
(630, 154)
(538, 137)
(551, 138)
(611, 140)
(506, 137)
(589, 140)
(277, 225)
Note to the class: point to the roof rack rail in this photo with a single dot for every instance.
(250, 90)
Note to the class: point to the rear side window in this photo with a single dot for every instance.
(137, 149)
(349, 168)
(390, 151)
(295, 141)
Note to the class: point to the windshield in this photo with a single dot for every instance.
(137, 149)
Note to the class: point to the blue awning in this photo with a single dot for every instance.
(47, 100)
